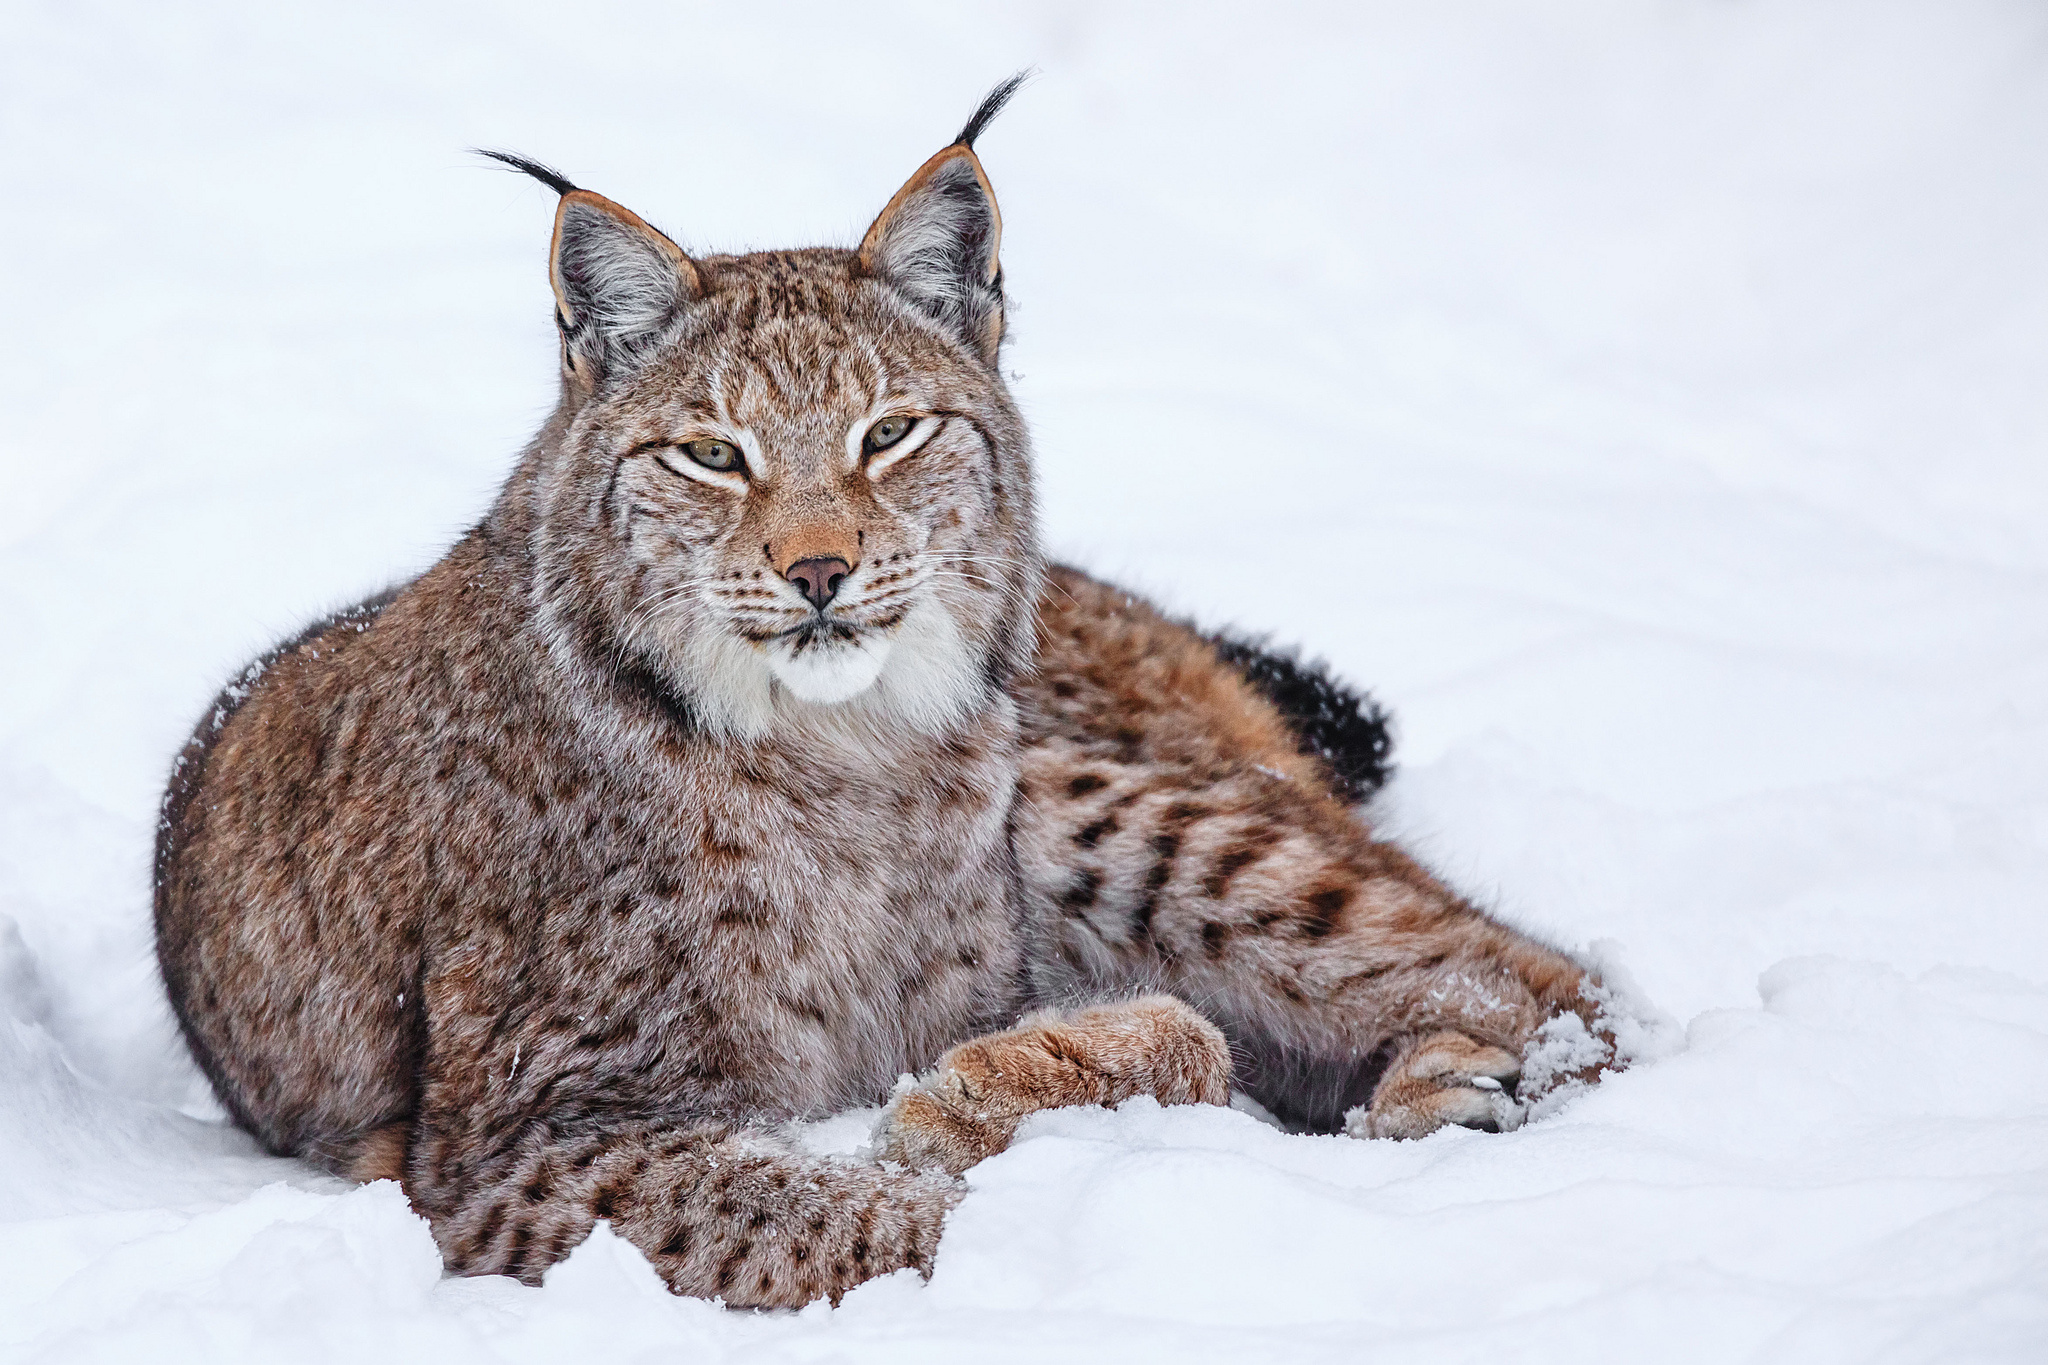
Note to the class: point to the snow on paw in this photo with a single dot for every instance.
(936, 1124)
(967, 1108)
(1439, 1080)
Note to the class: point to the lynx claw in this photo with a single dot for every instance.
(1484, 1109)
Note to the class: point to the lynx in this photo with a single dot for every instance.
(746, 757)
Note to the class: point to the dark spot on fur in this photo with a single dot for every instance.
(1214, 936)
(618, 1031)
(1082, 893)
(742, 909)
(515, 1255)
(1164, 849)
(1090, 835)
(1226, 867)
(1324, 907)
(488, 1233)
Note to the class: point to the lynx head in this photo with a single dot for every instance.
(789, 482)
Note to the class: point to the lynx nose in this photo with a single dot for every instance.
(818, 579)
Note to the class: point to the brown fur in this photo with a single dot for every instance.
(1439, 1079)
(968, 1108)
(1172, 837)
(554, 881)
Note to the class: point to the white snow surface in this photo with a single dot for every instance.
(1649, 401)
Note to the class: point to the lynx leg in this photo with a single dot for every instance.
(1180, 830)
(1343, 972)
(968, 1107)
(1442, 1079)
(719, 1211)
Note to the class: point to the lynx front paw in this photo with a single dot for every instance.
(1444, 1078)
(968, 1107)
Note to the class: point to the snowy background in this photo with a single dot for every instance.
(1649, 401)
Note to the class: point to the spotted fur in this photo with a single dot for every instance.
(1176, 833)
(553, 882)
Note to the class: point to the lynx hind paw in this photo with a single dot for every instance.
(968, 1107)
(1444, 1079)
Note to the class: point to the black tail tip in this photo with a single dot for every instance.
(547, 175)
(991, 105)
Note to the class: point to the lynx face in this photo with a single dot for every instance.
(793, 487)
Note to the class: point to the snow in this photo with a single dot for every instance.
(1645, 400)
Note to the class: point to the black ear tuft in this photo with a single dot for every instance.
(618, 281)
(939, 240)
(990, 107)
(547, 175)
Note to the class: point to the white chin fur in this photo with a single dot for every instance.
(828, 675)
(922, 676)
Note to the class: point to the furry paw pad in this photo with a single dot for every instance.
(1443, 1079)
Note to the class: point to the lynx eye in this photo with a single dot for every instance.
(886, 433)
(712, 454)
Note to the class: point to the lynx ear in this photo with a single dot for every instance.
(618, 282)
(937, 241)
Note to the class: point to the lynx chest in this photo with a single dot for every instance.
(761, 932)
